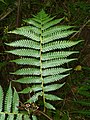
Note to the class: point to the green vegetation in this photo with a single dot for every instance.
(43, 84)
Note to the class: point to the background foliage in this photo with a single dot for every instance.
(75, 12)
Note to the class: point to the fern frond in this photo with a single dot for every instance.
(83, 112)
(44, 55)
(8, 100)
(83, 102)
(15, 102)
(1, 99)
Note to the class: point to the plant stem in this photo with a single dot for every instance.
(41, 70)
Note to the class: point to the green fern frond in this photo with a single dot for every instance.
(8, 107)
(8, 100)
(44, 54)
(15, 102)
(83, 102)
(83, 112)
(1, 99)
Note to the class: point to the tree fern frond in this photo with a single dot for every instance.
(55, 55)
(54, 78)
(28, 80)
(56, 29)
(43, 53)
(25, 52)
(49, 106)
(58, 45)
(27, 61)
(55, 62)
(53, 87)
(52, 97)
(1, 99)
(54, 71)
(27, 71)
(8, 100)
(25, 43)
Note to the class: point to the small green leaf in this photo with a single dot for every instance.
(53, 87)
(49, 106)
(52, 97)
